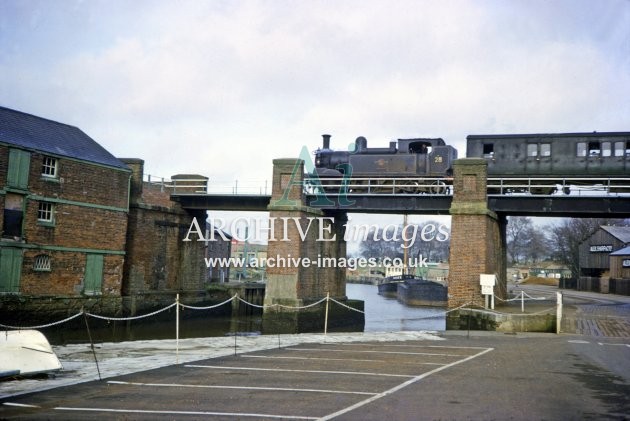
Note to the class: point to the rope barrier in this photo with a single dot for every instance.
(237, 297)
(347, 306)
(43, 326)
(301, 307)
(96, 316)
(212, 306)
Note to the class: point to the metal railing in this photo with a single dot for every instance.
(578, 186)
(203, 186)
(405, 186)
(362, 186)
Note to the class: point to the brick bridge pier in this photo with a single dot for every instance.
(319, 237)
(477, 236)
(477, 246)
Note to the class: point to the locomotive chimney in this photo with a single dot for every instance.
(326, 141)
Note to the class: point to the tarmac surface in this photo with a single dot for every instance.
(452, 375)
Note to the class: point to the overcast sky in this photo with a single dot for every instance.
(221, 88)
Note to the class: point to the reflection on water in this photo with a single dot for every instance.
(387, 314)
(381, 314)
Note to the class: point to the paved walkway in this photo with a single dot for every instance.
(590, 313)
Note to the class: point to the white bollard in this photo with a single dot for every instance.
(558, 311)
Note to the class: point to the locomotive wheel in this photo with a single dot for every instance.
(438, 187)
(410, 187)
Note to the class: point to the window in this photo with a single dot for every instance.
(545, 149)
(581, 149)
(532, 149)
(606, 149)
(49, 167)
(488, 150)
(619, 148)
(41, 263)
(45, 212)
(594, 149)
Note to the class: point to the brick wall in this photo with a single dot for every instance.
(157, 258)
(477, 244)
(90, 216)
(297, 284)
(67, 274)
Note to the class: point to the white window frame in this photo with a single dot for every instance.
(46, 212)
(50, 167)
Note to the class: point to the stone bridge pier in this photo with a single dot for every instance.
(477, 236)
(304, 250)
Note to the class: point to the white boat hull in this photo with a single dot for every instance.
(26, 352)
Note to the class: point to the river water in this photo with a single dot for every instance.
(387, 314)
(381, 315)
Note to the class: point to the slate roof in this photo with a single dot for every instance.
(620, 233)
(36, 133)
(621, 252)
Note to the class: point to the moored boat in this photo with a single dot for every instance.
(26, 352)
(422, 292)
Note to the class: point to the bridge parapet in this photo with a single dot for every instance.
(180, 183)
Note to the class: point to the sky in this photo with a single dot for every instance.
(221, 88)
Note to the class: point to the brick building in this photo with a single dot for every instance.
(64, 205)
(80, 228)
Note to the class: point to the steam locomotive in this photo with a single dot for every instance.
(546, 163)
(422, 165)
(524, 163)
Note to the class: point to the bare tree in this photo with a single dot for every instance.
(518, 231)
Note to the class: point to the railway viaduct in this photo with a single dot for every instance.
(478, 228)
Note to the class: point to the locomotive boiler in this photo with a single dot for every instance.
(419, 165)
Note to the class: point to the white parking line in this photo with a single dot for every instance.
(604, 343)
(329, 359)
(21, 405)
(271, 357)
(358, 373)
(403, 345)
(146, 411)
(402, 385)
(374, 352)
(206, 386)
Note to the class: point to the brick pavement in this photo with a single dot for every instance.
(589, 313)
(608, 320)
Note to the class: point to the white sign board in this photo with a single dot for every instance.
(487, 280)
(487, 283)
